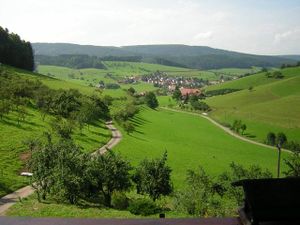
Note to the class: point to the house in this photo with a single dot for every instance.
(189, 91)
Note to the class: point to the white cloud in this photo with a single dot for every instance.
(204, 35)
(287, 35)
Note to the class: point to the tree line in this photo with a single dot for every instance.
(14, 51)
(71, 61)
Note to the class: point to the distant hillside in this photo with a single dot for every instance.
(196, 57)
(271, 105)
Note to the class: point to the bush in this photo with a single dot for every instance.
(144, 207)
(119, 200)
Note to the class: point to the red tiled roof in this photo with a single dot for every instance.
(189, 91)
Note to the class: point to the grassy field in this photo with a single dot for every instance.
(12, 136)
(272, 105)
(190, 141)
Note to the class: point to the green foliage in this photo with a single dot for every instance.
(293, 164)
(200, 105)
(128, 127)
(223, 91)
(131, 91)
(119, 200)
(72, 61)
(107, 173)
(14, 51)
(150, 100)
(144, 207)
(271, 139)
(239, 172)
(112, 86)
(177, 94)
(281, 139)
(57, 170)
(199, 197)
(153, 177)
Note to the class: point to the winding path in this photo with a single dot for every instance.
(226, 129)
(8, 200)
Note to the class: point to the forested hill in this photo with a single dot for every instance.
(14, 51)
(198, 57)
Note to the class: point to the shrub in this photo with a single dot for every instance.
(144, 207)
(119, 200)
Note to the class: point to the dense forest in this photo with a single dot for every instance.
(14, 51)
(195, 57)
(71, 61)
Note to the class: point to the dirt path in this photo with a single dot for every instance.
(116, 138)
(8, 200)
(226, 129)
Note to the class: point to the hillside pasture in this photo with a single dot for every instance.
(272, 105)
(191, 141)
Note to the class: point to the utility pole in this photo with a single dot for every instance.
(278, 163)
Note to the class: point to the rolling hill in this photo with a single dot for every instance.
(196, 57)
(272, 104)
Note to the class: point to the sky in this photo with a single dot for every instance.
(251, 26)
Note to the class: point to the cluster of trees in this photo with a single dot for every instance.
(61, 171)
(71, 61)
(275, 74)
(194, 100)
(238, 126)
(14, 51)
(17, 93)
(123, 116)
(283, 66)
(223, 91)
(112, 86)
(273, 140)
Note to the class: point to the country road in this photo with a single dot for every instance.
(8, 200)
(226, 129)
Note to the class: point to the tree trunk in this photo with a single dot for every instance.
(107, 200)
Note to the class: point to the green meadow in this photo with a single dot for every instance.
(191, 141)
(272, 104)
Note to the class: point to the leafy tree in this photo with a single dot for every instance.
(107, 173)
(177, 94)
(293, 165)
(153, 177)
(199, 197)
(62, 127)
(151, 100)
(128, 127)
(271, 138)
(281, 139)
(243, 128)
(131, 91)
(57, 169)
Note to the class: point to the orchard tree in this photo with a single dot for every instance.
(151, 100)
(243, 128)
(177, 94)
(271, 138)
(107, 173)
(153, 177)
(128, 127)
